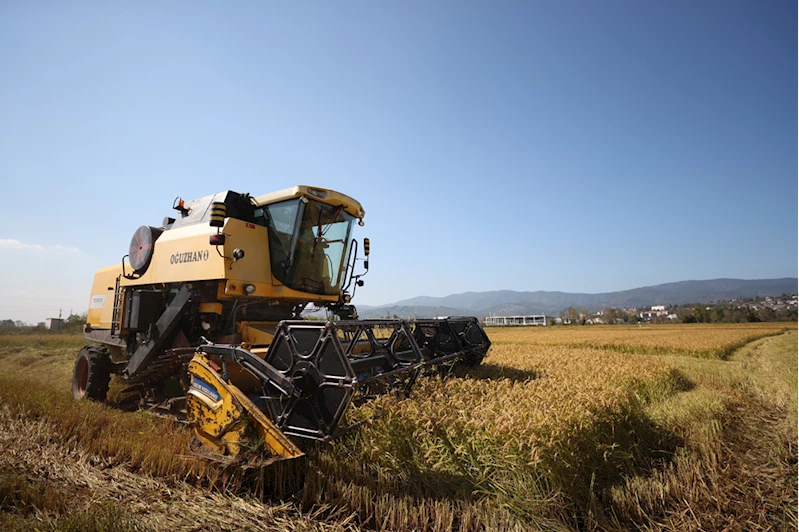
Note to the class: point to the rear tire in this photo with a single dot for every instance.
(92, 373)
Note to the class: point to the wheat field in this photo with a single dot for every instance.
(695, 339)
(667, 427)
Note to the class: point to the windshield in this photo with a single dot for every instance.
(308, 245)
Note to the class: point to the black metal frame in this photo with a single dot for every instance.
(313, 369)
(160, 334)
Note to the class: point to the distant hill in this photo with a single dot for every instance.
(509, 302)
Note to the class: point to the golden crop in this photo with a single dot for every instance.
(559, 427)
(525, 429)
(550, 416)
(702, 340)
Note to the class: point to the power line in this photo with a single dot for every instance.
(31, 310)
(39, 298)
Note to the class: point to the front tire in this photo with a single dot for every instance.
(92, 373)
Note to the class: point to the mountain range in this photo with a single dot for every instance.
(509, 302)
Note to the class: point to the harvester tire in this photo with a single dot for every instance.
(92, 373)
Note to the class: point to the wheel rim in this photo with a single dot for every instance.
(81, 377)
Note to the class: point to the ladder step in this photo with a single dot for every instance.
(116, 316)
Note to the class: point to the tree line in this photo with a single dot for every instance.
(738, 311)
(73, 324)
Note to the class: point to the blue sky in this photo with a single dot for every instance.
(572, 146)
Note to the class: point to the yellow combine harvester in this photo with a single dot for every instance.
(202, 318)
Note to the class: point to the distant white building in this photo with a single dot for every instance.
(54, 324)
(656, 311)
(506, 321)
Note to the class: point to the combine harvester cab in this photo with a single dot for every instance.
(201, 319)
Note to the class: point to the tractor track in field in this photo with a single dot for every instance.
(753, 486)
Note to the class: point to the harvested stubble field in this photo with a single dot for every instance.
(675, 427)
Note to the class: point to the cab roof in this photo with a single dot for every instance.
(325, 195)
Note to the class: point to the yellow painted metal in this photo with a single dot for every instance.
(275, 290)
(211, 308)
(260, 332)
(184, 255)
(101, 302)
(253, 240)
(325, 195)
(225, 420)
